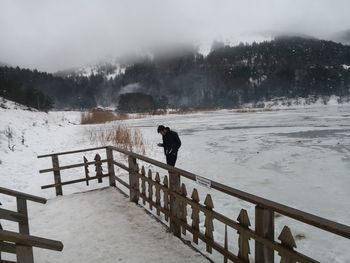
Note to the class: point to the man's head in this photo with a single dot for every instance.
(161, 129)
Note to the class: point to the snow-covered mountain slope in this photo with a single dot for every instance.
(107, 69)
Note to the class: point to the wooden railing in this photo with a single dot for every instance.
(22, 243)
(170, 198)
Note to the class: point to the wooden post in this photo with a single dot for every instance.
(174, 204)
(264, 227)
(133, 180)
(24, 253)
(111, 172)
(57, 175)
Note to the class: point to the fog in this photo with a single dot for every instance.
(55, 35)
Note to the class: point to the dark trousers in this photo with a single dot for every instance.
(171, 159)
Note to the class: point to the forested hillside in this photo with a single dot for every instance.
(226, 77)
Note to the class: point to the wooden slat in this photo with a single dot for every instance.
(73, 181)
(65, 167)
(143, 183)
(8, 261)
(23, 195)
(195, 214)
(122, 182)
(7, 247)
(319, 222)
(12, 215)
(29, 240)
(208, 223)
(71, 152)
(287, 240)
(243, 238)
(98, 168)
(86, 169)
(121, 165)
(166, 196)
(183, 214)
(150, 188)
(157, 186)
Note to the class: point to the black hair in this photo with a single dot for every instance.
(160, 128)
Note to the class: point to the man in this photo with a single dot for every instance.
(171, 144)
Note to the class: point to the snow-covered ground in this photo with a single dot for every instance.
(299, 157)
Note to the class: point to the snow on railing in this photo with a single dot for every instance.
(170, 198)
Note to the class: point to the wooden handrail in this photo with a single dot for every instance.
(29, 197)
(71, 152)
(28, 240)
(69, 166)
(316, 221)
(74, 181)
(12, 215)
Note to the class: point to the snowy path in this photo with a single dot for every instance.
(103, 226)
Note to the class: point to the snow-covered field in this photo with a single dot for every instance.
(299, 157)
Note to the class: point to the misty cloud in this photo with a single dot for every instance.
(53, 35)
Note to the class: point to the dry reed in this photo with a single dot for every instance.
(120, 136)
(96, 117)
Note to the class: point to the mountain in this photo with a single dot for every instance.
(109, 68)
(106, 69)
(227, 77)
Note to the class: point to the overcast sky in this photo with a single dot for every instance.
(53, 35)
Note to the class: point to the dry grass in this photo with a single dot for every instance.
(120, 136)
(96, 117)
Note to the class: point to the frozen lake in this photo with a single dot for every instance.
(298, 157)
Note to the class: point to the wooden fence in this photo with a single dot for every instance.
(21, 243)
(169, 198)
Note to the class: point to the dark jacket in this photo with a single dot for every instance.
(171, 142)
